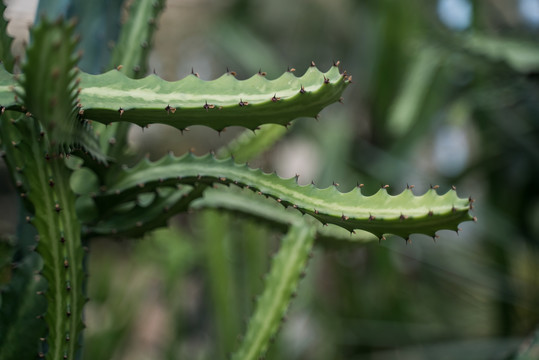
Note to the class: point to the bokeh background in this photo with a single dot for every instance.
(444, 93)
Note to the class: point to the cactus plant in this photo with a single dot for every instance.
(63, 134)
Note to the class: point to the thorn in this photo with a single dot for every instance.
(385, 186)
(302, 90)
(341, 100)
(207, 107)
(290, 69)
(316, 211)
(243, 103)
(453, 187)
(434, 187)
(335, 184)
(430, 213)
(169, 109)
(408, 241)
(403, 217)
(194, 73)
(474, 219)
(371, 218)
(57, 208)
(121, 111)
(326, 80)
(359, 185)
(233, 73)
(275, 98)
(261, 73)
(453, 209)
(119, 67)
(409, 187)
(344, 217)
(313, 64)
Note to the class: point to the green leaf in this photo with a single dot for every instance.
(406, 109)
(380, 214)
(281, 283)
(520, 55)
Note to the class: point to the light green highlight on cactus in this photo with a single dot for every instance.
(220, 103)
(380, 214)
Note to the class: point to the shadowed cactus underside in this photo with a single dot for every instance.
(52, 116)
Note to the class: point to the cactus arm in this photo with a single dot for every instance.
(134, 43)
(249, 204)
(140, 219)
(380, 214)
(220, 103)
(226, 101)
(59, 240)
(130, 57)
(281, 283)
(5, 41)
(250, 144)
(49, 94)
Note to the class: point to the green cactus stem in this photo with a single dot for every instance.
(226, 101)
(287, 269)
(379, 214)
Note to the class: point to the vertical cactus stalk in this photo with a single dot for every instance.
(61, 249)
(49, 95)
(281, 283)
(130, 56)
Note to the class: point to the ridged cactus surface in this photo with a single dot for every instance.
(380, 214)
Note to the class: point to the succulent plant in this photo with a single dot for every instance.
(63, 133)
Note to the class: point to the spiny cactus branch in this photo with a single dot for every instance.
(287, 269)
(380, 214)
